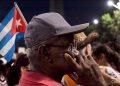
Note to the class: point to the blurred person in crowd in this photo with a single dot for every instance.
(3, 70)
(107, 57)
(52, 53)
(114, 46)
(14, 72)
(109, 63)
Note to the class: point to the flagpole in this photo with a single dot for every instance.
(20, 12)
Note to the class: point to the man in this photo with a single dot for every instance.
(52, 53)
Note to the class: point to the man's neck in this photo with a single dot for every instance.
(53, 75)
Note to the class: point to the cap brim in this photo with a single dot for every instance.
(72, 29)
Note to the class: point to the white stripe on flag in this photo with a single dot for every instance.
(6, 29)
(8, 46)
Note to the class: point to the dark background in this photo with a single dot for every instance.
(75, 11)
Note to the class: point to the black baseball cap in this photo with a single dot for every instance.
(48, 25)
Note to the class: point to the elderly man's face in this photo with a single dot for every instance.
(57, 50)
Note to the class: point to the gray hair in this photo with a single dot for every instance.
(34, 55)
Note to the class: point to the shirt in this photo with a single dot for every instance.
(110, 71)
(30, 78)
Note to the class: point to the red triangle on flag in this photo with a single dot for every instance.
(19, 24)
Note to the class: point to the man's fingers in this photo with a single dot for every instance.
(72, 62)
(91, 59)
(83, 51)
(89, 50)
(86, 63)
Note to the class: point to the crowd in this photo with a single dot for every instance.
(59, 54)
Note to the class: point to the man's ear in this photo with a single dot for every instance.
(44, 51)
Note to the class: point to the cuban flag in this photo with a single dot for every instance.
(12, 24)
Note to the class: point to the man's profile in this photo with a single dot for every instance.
(50, 40)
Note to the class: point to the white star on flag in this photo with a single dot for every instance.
(18, 23)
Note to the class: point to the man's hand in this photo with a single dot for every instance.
(85, 67)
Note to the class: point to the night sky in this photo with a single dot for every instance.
(75, 11)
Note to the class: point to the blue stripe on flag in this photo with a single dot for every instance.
(19, 36)
(5, 40)
(8, 36)
(7, 19)
(9, 55)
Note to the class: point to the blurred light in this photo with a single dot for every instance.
(95, 21)
(118, 4)
(110, 3)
